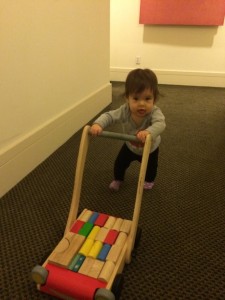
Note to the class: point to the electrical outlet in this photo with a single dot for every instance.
(138, 60)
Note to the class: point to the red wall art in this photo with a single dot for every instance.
(182, 12)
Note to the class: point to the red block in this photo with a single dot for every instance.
(111, 237)
(77, 226)
(100, 221)
(62, 282)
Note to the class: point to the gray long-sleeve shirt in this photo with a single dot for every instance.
(153, 122)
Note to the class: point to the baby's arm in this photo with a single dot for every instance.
(158, 124)
(96, 129)
(106, 119)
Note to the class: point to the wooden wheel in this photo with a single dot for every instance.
(104, 294)
(39, 274)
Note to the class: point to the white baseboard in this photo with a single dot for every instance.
(19, 159)
(175, 77)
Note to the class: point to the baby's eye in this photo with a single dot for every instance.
(135, 98)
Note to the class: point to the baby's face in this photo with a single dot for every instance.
(141, 104)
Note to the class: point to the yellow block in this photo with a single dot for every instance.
(85, 249)
(94, 232)
(96, 248)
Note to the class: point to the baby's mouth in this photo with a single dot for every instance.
(141, 111)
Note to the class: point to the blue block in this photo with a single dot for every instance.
(93, 217)
(104, 252)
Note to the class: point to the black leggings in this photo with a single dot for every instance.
(126, 156)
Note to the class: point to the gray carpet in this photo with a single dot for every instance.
(182, 249)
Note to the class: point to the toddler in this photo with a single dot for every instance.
(139, 116)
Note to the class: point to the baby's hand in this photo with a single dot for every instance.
(96, 129)
(141, 135)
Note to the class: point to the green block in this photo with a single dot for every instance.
(86, 229)
(74, 261)
(80, 259)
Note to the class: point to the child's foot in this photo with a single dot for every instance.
(148, 185)
(115, 185)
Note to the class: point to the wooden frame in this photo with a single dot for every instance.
(77, 248)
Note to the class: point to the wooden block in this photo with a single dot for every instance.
(110, 222)
(86, 266)
(114, 253)
(95, 249)
(84, 250)
(94, 232)
(126, 226)
(86, 229)
(86, 215)
(67, 248)
(77, 226)
(104, 252)
(96, 268)
(106, 271)
(117, 224)
(121, 239)
(111, 237)
(91, 267)
(100, 221)
(101, 235)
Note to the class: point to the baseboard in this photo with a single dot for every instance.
(19, 159)
(175, 77)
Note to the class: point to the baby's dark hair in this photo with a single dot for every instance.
(140, 79)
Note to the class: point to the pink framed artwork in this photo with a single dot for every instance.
(182, 12)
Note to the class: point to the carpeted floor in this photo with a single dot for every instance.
(182, 249)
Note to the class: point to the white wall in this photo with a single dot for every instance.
(186, 55)
(54, 77)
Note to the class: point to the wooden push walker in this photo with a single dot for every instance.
(88, 262)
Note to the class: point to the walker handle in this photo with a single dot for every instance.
(119, 136)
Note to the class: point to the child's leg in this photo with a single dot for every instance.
(122, 162)
(152, 166)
